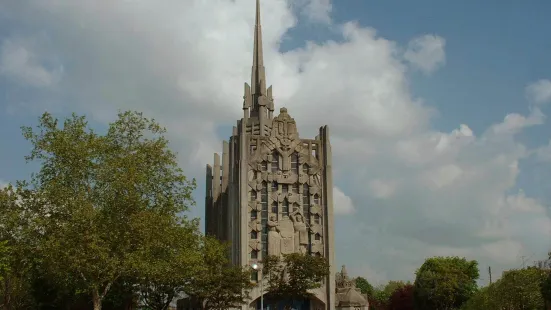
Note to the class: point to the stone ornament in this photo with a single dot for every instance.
(274, 237)
(255, 225)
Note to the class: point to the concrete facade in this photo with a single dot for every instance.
(271, 192)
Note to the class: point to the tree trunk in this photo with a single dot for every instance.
(96, 299)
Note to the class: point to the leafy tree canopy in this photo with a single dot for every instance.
(445, 283)
(294, 275)
(364, 286)
(402, 298)
(517, 289)
(101, 202)
(216, 284)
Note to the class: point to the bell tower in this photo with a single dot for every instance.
(271, 192)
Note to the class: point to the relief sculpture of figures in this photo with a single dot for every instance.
(287, 233)
(301, 232)
(274, 238)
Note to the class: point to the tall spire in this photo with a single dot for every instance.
(258, 102)
(258, 76)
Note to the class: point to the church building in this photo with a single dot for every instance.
(271, 192)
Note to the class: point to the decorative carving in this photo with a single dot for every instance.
(317, 247)
(287, 233)
(255, 245)
(254, 206)
(274, 238)
(301, 232)
(315, 209)
(255, 225)
(315, 228)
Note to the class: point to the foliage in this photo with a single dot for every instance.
(94, 194)
(293, 276)
(517, 289)
(18, 235)
(546, 283)
(364, 286)
(445, 283)
(402, 298)
(216, 284)
(4, 259)
(381, 294)
(170, 264)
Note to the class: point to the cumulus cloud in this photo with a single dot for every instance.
(318, 11)
(539, 92)
(414, 191)
(543, 153)
(426, 53)
(342, 203)
(19, 62)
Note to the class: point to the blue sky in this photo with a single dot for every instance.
(437, 109)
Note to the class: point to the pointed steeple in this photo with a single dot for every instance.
(258, 102)
(258, 76)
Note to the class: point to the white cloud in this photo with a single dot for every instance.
(315, 10)
(382, 189)
(342, 203)
(539, 92)
(426, 53)
(19, 62)
(514, 122)
(416, 191)
(543, 154)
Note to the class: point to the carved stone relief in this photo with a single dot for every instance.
(274, 237)
(301, 232)
(287, 233)
(288, 172)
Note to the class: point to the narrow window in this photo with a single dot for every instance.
(305, 194)
(285, 207)
(317, 218)
(275, 161)
(264, 218)
(294, 162)
(317, 199)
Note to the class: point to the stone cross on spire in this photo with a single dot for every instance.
(258, 101)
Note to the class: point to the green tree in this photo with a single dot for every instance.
(517, 289)
(96, 194)
(364, 286)
(402, 298)
(168, 271)
(216, 284)
(520, 289)
(444, 283)
(380, 298)
(293, 276)
(4, 259)
(546, 282)
(18, 233)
